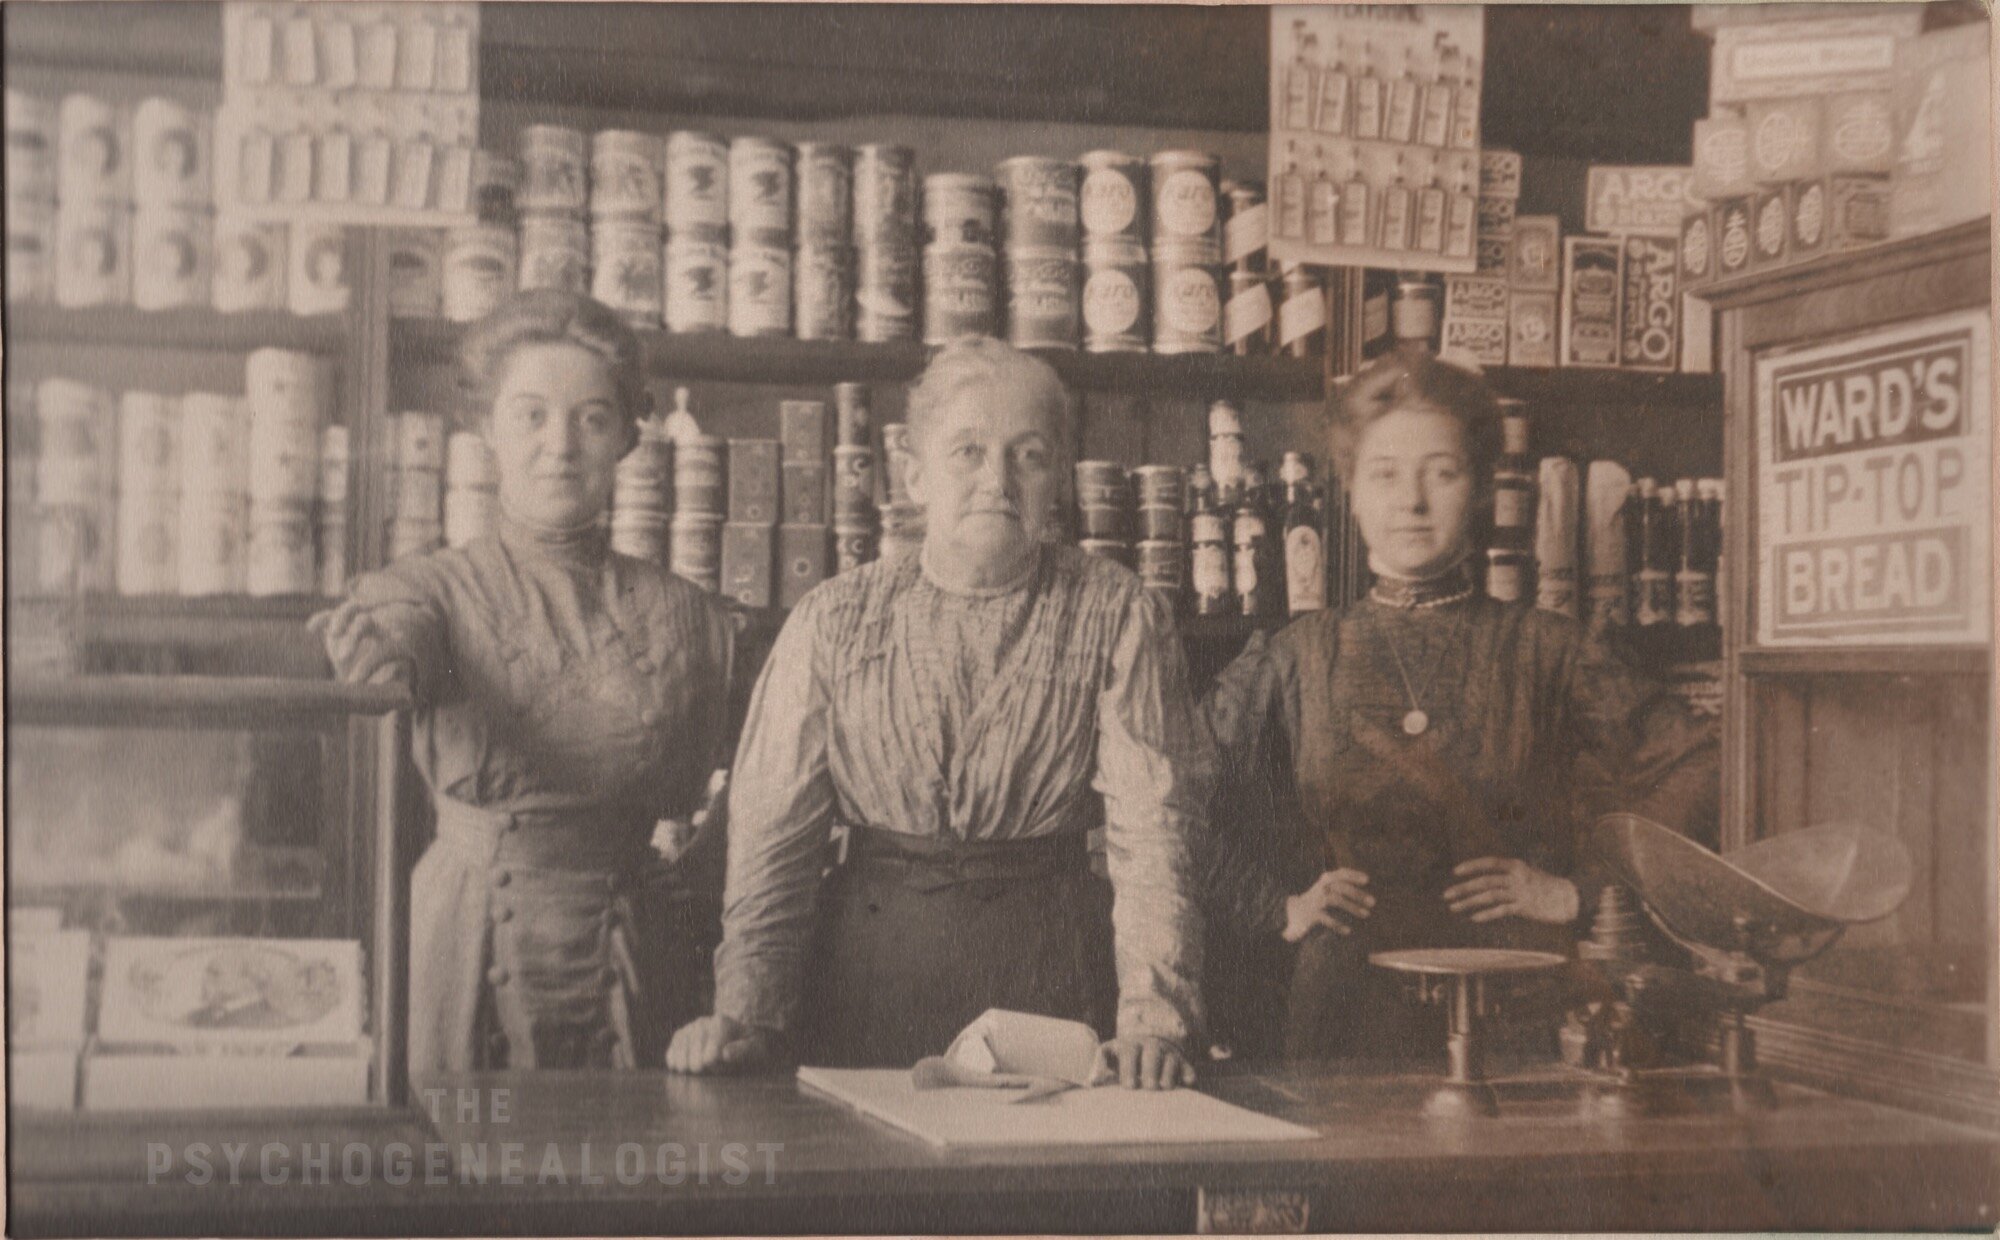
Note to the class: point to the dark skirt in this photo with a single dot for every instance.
(918, 936)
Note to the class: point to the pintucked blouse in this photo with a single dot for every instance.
(893, 703)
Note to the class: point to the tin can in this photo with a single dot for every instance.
(171, 260)
(335, 463)
(627, 172)
(32, 141)
(74, 430)
(853, 546)
(826, 194)
(1102, 521)
(284, 459)
(496, 185)
(1162, 564)
(854, 420)
(1246, 226)
(145, 543)
(697, 185)
(249, 264)
(760, 193)
(555, 253)
(416, 274)
(1163, 486)
(1186, 201)
(1188, 293)
(1101, 484)
(94, 164)
(1038, 202)
(210, 542)
(148, 445)
(1117, 550)
(553, 159)
(317, 279)
(1506, 574)
(885, 196)
(421, 441)
(760, 291)
(1248, 314)
(31, 252)
(896, 461)
(1115, 201)
(93, 256)
(279, 558)
(960, 209)
(823, 292)
(1043, 309)
(886, 294)
(694, 549)
(1302, 314)
(697, 280)
(853, 485)
(960, 297)
(478, 271)
(214, 447)
(1117, 287)
(170, 143)
(698, 474)
(1160, 522)
(625, 269)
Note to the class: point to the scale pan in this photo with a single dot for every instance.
(1801, 884)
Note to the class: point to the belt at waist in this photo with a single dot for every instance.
(966, 860)
(592, 841)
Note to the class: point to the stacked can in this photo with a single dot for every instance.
(961, 268)
(627, 178)
(171, 231)
(803, 545)
(694, 550)
(697, 219)
(1040, 232)
(471, 489)
(760, 236)
(287, 394)
(31, 197)
(1162, 559)
(1248, 315)
(214, 508)
(749, 540)
(1104, 511)
(250, 259)
(888, 290)
(854, 476)
(22, 449)
(823, 266)
(149, 493)
(334, 467)
(642, 496)
(902, 518)
(93, 203)
(478, 270)
(1117, 279)
(553, 248)
(416, 512)
(72, 486)
(1188, 284)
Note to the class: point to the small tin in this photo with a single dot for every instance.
(1103, 521)
(960, 297)
(249, 265)
(170, 143)
(747, 555)
(697, 285)
(93, 255)
(1043, 305)
(1038, 203)
(760, 291)
(853, 546)
(148, 445)
(416, 273)
(1114, 200)
(147, 535)
(1117, 550)
(1246, 226)
(853, 484)
(627, 170)
(886, 293)
(214, 445)
(1248, 314)
(1101, 484)
(279, 558)
(210, 543)
(760, 193)
(698, 477)
(826, 194)
(496, 185)
(32, 141)
(802, 560)
(31, 252)
(960, 209)
(896, 452)
(171, 260)
(1188, 293)
(553, 159)
(478, 270)
(1163, 486)
(697, 184)
(803, 430)
(885, 197)
(625, 269)
(1162, 564)
(802, 492)
(317, 279)
(853, 419)
(1117, 296)
(1156, 521)
(823, 292)
(555, 253)
(1186, 200)
(94, 165)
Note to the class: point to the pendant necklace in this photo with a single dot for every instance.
(1416, 722)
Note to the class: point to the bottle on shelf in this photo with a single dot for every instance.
(1430, 210)
(1255, 585)
(1302, 78)
(1461, 215)
(1415, 311)
(1657, 557)
(1331, 117)
(1367, 114)
(1510, 557)
(1395, 212)
(1700, 540)
(1301, 313)
(1400, 119)
(1208, 558)
(1305, 546)
(1323, 204)
(1434, 121)
(1289, 193)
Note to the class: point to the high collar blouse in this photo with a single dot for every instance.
(894, 703)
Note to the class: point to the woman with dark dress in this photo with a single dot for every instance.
(1411, 771)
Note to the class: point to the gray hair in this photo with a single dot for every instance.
(983, 362)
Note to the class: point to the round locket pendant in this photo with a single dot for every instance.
(1416, 723)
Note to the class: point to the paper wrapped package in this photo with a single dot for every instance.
(1038, 1055)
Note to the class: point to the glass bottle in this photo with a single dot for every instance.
(1305, 545)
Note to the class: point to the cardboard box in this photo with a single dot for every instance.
(1637, 198)
(1945, 156)
(1531, 329)
(1858, 210)
(1499, 174)
(1649, 309)
(746, 563)
(1806, 219)
(803, 430)
(1858, 132)
(1731, 231)
(1592, 275)
(1770, 228)
(753, 481)
(804, 553)
(1495, 214)
(1482, 340)
(1493, 251)
(1784, 140)
(1722, 155)
(1697, 335)
(1697, 249)
(1537, 253)
(805, 492)
(1475, 318)
(1797, 59)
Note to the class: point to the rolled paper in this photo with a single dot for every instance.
(1604, 497)
(1555, 537)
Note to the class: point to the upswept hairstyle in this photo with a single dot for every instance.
(1416, 382)
(552, 316)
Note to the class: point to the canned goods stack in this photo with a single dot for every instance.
(823, 266)
(214, 506)
(1249, 314)
(416, 520)
(1301, 328)
(31, 197)
(249, 264)
(1040, 224)
(627, 194)
(334, 463)
(642, 496)
(695, 549)
(1104, 511)
(1188, 284)
(21, 449)
(803, 545)
(479, 263)
(471, 489)
(961, 266)
(749, 539)
(902, 518)
(554, 246)
(73, 487)
(697, 220)
(287, 393)
(760, 237)
(171, 230)
(854, 474)
(93, 224)
(1117, 278)
(148, 494)
(887, 281)
(1162, 561)
(318, 279)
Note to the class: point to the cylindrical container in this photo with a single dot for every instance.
(1162, 564)
(1038, 203)
(416, 273)
(896, 454)
(960, 297)
(1507, 573)
(1159, 522)
(249, 265)
(31, 251)
(1209, 564)
(478, 271)
(1246, 226)
(643, 536)
(885, 197)
(317, 280)
(1247, 315)
(1415, 312)
(555, 253)
(73, 550)
(887, 293)
(421, 442)
(854, 420)
(625, 269)
(94, 165)
(1117, 550)
(496, 184)
(170, 257)
(697, 185)
(210, 543)
(553, 160)
(694, 549)
(1043, 306)
(698, 477)
(853, 546)
(826, 194)
(1103, 521)
(214, 446)
(471, 514)
(170, 147)
(1161, 486)
(284, 447)
(760, 290)
(626, 175)
(148, 445)
(823, 292)
(760, 193)
(697, 285)
(75, 431)
(1115, 199)
(1186, 203)
(1301, 313)
(93, 255)
(279, 559)
(960, 209)
(334, 466)
(148, 533)
(1556, 538)
(32, 139)
(1188, 292)
(1101, 484)
(1117, 297)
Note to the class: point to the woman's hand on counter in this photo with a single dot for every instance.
(1144, 1063)
(717, 1044)
(1336, 896)
(360, 650)
(1497, 887)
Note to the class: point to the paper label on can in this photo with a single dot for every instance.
(1111, 304)
(760, 291)
(1110, 203)
(697, 184)
(1247, 313)
(1247, 232)
(760, 188)
(1300, 316)
(624, 181)
(1186, 204)
(1190, 303)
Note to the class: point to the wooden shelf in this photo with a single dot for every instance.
(261, 873)
(1658, 647)
(1580, 388)
(1972, 239)
(778, 360)
(1863, 660)
(194, 329)
(244, 702)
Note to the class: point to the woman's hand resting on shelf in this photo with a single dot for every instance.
(1496, 887)
(360, 649)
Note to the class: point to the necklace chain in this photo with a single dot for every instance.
(1417, 720)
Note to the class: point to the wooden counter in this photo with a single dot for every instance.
(1818, 1162)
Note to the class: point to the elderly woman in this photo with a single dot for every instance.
(968, 712)
(567, 703)
(1407, 772)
